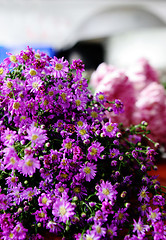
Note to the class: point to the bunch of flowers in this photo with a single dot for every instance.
(143, 95)
(65, 167)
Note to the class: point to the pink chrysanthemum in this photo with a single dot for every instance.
(37, 136)
(29, 165)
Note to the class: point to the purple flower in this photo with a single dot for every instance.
(9, 137)
(111, 230)
(29, 165)
(143, 194)
(63, 210)
(88, 171)
(106, 191)
(94, 151)
(44, 200)
(37, 136)
(121, 216)
(118, 106)
(90, 235)
(139, 227)
(110, 129)
(59, 67)
(153, 215)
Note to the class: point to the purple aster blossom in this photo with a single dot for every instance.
(16, 107)
(78, 65)
(12, 180)
(118, 106)
(121, 216)
(110, 129)
(94, 151)
(29, 165)
(37, 136)
(31, 106)
(143, 194)
(59, 67)
(11, 159)
(44, 200)
(114, 152)
(90, 235)
(106, 191)
(67, 145)
(8, 137)
(143, 209)
(83, 131)
(30, 192)
(134, 138)
(60, 188)
(33, 84)
(4, 202)
(88, 171)
(100, 97)
(6, 222)
(153, 215)
(54, 227)
(12, 60)
(111, 230)
(41, 215)
(159, 231)
(95, 113)
(139, 227)
(98, 229)
(79, 102)
(78, 190)
(107, 207)
(158, 200)
(63, 210)
(19, 232)
(16, 193)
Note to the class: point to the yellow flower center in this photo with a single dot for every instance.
(87, 170)
(153, 215)
(105, 191)
(25, 57)
(50, 93)
(8, 137)
(16, 105)
(143, 194)
(101, 97)
(98, 229)
(78, 102)
(94, 114)
(32, 72)
(1, 71)
(44, 200)
(9, 84)
(41, 214)
(77, 189)
(62, 210)
(120, 216)
(93, 151)
(82, 131)
(68, 145)
(89, 238)
(37, 55)
(138, 226)
(61, 189)
(80, 123)
(13, 179)
(22, 118)
(58, 66)
(13, 58)
(11, 235)
(110, 232)
(35, 85)
(29, 163)
(12, 160)
(34, 137)
(143, 207)
(46, 102)
(109, 128)
(63, 96)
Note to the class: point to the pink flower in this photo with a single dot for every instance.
(151, 107)
(141, 74)
(116, 85)
(37, 136)
(106, 191)
(29, 165)
(89, 171)
(99, 74)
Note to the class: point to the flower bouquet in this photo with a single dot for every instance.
(66, 168)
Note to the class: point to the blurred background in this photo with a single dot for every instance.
(117, 32)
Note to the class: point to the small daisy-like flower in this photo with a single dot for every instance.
(34, 84)
(29, 165)
(44, 200)
(60, 67)
(88, 170)
(114, 153)
(98, 229)
(143, 195)
(106, 191)
(9, 137)
(153, 215)
(90, 235)
(139, 227)
(63, 210)
(100, 97)
(110, 129)
(118, 106)
(94, 151)
(37, 136)
(121, 216)
(111, 230)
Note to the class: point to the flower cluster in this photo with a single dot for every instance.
(143, 95)
(65, 167)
